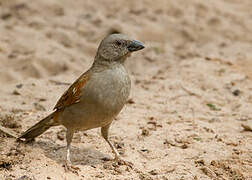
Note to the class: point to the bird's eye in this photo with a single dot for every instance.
(118, 43)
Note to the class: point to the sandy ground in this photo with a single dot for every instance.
(191, 100)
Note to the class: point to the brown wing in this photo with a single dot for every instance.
(73, 94)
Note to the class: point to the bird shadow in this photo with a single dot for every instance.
(79, 156)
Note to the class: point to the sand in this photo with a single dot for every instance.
(190, 110)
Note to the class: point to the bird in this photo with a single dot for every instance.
(96, 97)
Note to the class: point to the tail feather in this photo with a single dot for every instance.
(39, 128)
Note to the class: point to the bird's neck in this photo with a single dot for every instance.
(100, 61)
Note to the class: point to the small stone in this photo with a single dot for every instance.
(131, 101)
(184, 146)
(19, 86)
(200, 162)
(105, 159)
(15, 92)
(144, 150)
(145, 132)
(151, 118)
(154, 172)
(236, 92)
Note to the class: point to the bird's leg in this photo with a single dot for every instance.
(69, 137)
(68, 165)
(104, 132)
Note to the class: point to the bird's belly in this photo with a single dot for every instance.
(85, 118)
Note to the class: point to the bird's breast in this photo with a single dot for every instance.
(108, 90)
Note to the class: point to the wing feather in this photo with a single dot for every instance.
(73, 93)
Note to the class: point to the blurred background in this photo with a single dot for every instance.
(41, 38)
(189, 113)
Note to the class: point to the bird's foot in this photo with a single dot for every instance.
(121, 161)
(70, 168)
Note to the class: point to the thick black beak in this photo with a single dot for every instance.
(135, 46)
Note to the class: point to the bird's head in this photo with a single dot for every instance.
(117, 47)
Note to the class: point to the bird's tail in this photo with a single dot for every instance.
(39, 128)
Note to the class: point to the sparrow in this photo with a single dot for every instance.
(96, 97)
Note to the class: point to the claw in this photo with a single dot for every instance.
(70, 168)
(121, 161)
